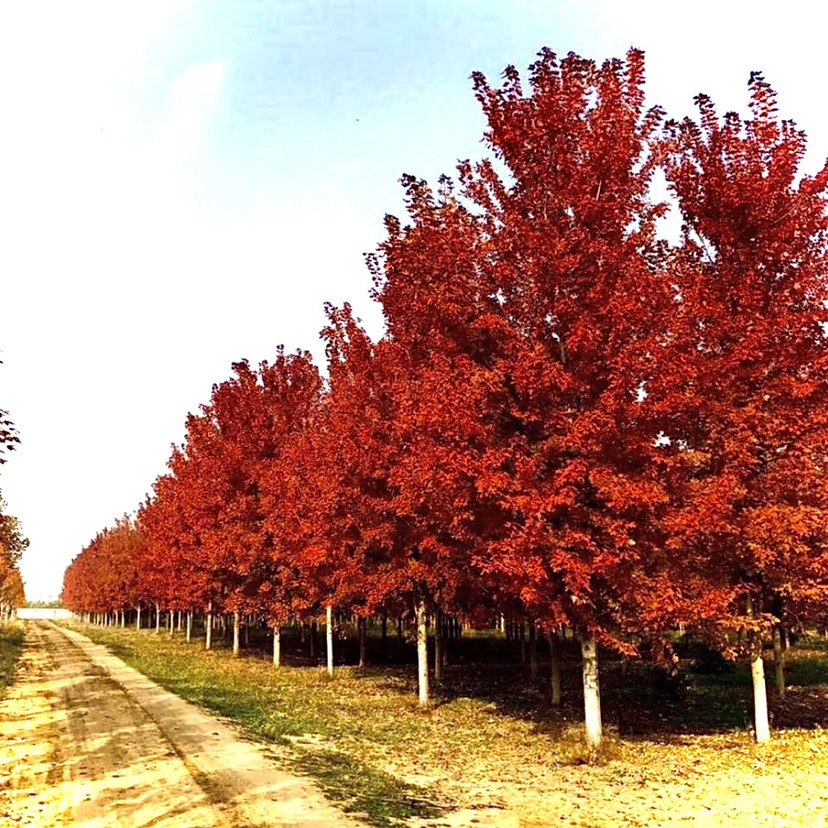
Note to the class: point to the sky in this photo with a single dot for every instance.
(184, 184)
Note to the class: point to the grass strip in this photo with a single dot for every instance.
(11, 645)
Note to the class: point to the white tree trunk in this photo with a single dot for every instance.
(236, 628)
(189, 625)
(208, 628)
(329, 637)
(138, 618)
(157, 618)
(277, 645)
(757, 672)
(363, 644)
(592, 694)
(422, 652)
(760, 698)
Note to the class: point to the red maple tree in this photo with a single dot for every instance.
(746, 391)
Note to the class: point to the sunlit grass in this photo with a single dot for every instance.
(11, 644)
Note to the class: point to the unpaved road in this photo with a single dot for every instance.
(87, 741)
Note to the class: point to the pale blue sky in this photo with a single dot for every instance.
(183, 184)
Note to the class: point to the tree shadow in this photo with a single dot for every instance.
(357, 788)
(638, 698)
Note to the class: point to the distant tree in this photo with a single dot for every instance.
(12, 541)
(12, 593)
(12, 546)
(45, 604)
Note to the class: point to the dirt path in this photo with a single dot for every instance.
(87, 741)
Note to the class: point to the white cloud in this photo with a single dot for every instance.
(192, 101)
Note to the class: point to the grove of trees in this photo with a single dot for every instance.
(569, 422)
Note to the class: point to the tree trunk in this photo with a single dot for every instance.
(189, 625)
(277, 645)
(779, 659)
(422, 652)
(236, 627)
(384, 634)
(363, 656)
(522, 633)
(438, 646)
(533, 651)
(208, 628)
(157, 618)
(592, 695)
(312, 635)
(760, 699)
(138, 617)
(246, 630)
(329, 638)
(757, 672)
(555, 670)
(445, 633)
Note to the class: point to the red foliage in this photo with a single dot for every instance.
(745, 393)
(104, 577)
(571, 258)
(209, 529)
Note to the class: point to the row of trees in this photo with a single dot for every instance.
(12, 542)
(568, 421)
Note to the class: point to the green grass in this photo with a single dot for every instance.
(11, 644)
(807, 664)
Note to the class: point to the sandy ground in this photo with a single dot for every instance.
(707, 781)
(87, 741)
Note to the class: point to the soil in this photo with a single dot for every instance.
(87, 741)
